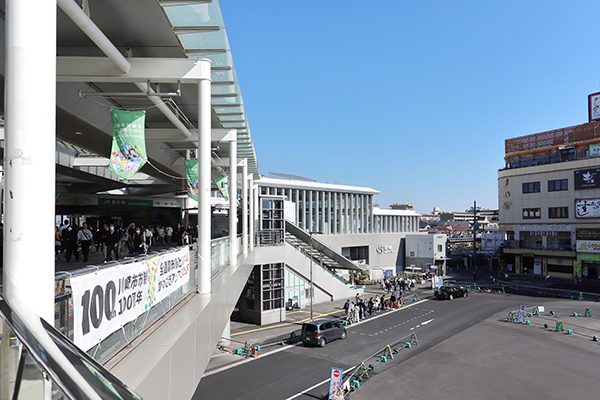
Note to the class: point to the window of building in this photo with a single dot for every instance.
(557, 185)
(528, 162)
(272, 286)
(412, 253)
(542, 160)
(567, 154)
(531, 187)
(532, 213)
(559, 241)
(558, 212)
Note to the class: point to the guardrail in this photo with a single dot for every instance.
(362, 370)
(269, 238)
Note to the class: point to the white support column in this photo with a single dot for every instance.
(322, 213)
(204, 184)
(297, 207)
(309, 224)
(255, 219)
(335, 213)
(329, 214)
(29, 154)
(252, 208)
(245, 208)
(233, 243)
(303, 210)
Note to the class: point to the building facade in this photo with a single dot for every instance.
(549, 199)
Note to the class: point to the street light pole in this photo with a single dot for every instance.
(312, 297)
(312, 293)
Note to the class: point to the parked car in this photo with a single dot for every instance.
(320, 332)
(450, 292)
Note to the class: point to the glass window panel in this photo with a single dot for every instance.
(208, 14)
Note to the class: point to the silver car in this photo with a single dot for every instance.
(320, 332)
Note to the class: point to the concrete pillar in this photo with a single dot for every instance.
(245, 208)
(204, 184)
(251, 211)
(335, 213)
(233, 242)
(29, 154)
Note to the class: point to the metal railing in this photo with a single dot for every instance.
(269, 238)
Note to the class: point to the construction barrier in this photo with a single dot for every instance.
(382, 356)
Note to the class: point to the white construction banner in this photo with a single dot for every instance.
(335, 384)
(105, 300)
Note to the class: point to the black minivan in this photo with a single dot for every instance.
(320, 332)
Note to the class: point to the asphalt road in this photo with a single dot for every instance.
(302, 372)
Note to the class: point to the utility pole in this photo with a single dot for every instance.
(475, 234)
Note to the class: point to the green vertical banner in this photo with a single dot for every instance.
(191, 173)
(223, 185)
(128, 153)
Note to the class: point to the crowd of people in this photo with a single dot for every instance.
(395, 287)
(113, 241)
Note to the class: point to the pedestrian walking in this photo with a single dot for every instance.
(112, 243)
(85, 238)
(475, 277)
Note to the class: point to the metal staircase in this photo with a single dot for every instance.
(322, 255)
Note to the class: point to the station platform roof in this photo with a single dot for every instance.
(162, 41)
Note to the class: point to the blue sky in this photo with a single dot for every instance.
(414, 99)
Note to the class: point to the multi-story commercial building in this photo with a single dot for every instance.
(549, 199)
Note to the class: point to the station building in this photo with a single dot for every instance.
(274, 243)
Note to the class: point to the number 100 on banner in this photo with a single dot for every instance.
(107, 299)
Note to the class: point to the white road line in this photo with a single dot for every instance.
(225, 368)
(316, 385)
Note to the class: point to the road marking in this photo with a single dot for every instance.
(317, 385)
(426, 322)
(225, 368)
(286, 324)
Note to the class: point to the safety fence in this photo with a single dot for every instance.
(361, 371)
(567, 319)
(533, 290)
(116, 341)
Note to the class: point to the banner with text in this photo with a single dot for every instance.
(223, 185)
(587, 208)
(128, 153)
(107, 299)
(335, 384)
(191, 174)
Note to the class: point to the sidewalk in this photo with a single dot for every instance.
(276, 336)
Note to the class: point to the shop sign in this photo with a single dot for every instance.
(125, 202)
(384, 249)
(588, 246)
(587, 208)
(594, 150)
(588, 234)
(587, 178)
(593, 106)
(588, 257)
